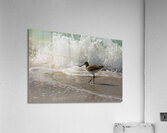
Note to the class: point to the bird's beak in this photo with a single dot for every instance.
(82, 65)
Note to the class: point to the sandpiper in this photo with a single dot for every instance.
(92, 69)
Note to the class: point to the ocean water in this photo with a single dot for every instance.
(65, 52)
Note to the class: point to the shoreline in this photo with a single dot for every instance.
(47, 86)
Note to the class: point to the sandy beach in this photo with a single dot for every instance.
(50, 86)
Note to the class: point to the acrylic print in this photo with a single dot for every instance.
(72, 68)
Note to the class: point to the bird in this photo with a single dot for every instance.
(92, 69)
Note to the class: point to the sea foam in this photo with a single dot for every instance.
(67, 52)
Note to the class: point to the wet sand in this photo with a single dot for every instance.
(48, 86)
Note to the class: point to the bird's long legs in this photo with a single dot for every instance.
(92, 79)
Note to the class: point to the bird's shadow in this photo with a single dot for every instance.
(106, 84)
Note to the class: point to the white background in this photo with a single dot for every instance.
(156, 63)
(116, 19)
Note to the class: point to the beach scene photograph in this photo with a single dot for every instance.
(73, 68)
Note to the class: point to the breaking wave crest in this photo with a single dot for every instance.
(67, 52)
